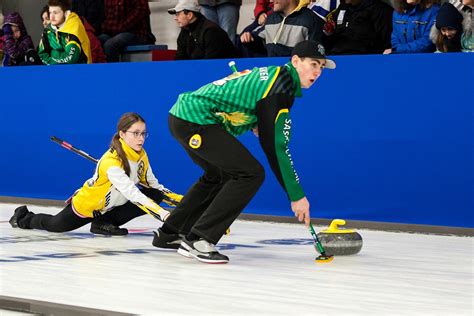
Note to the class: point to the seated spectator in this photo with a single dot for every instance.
(466, 8)
(1, 39)
(45, 16)
(126, 23)
(262, 9)
(18, 46)
(323, 7)
(448, 31)
(199, 38)
(225, 13)
(92, 11)
(412, 23)
(97, 52)
(64, 40)
(290, 23)
(358, 27)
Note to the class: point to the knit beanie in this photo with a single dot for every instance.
(449, 16)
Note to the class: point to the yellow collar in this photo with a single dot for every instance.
(131, 153)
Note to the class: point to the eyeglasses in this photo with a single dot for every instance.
(138, 134)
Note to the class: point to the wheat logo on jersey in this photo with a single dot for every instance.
(140, 169)
(234, 118)
(195, 141)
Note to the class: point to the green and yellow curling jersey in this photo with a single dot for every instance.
(259, 98)
(230, 101)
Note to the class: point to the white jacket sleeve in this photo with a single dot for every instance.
(125, 185)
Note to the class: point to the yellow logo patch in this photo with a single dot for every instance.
(195, 141)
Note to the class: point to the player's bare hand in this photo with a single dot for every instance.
(246, 37)
(301, 210)
(387, 51)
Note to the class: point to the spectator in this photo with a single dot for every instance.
(126, 23)
(97, 52)
(45, 16)
(323, 7)
(1, 38)
(358, 27)
(18, 46)
(466, 7)
(92, 11)
(199, 38)
(448, 31)
(224, 13)
(412, 22)
(290, 23)
(64, 40)
(262, 9)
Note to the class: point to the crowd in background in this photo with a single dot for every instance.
(97, 31)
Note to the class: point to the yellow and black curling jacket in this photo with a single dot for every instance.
(111, 187)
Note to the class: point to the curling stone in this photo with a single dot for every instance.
(340, 242)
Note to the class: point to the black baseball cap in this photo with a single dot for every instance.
(312, 49)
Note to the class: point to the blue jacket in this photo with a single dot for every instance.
(411, 30)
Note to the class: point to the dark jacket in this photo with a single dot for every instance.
(92, 10)
(204, 39)
(365, 28)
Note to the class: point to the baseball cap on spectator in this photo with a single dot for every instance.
(189, 5)
(312, 49)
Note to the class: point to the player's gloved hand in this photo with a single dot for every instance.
(171, 198)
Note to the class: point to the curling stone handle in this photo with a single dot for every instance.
(335, 224)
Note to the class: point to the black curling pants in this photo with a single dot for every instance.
(67, 220)
(232, 176)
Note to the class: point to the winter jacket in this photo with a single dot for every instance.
(204, 39)
(92, 10)
(411, 30)
(18, 52)
(467, 38)
(361, 29)
(281, 33)
(67, 45)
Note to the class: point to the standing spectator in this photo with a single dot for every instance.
(225, 13)
(18, 46)
(291, 22)
(448, 31)
(466, 8)
(64, 40)
(92, 11)
(359, 27)
(126, 23)
(412, 23)
(45, 16)
(199, 38)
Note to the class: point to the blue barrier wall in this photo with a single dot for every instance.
(381, 138)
